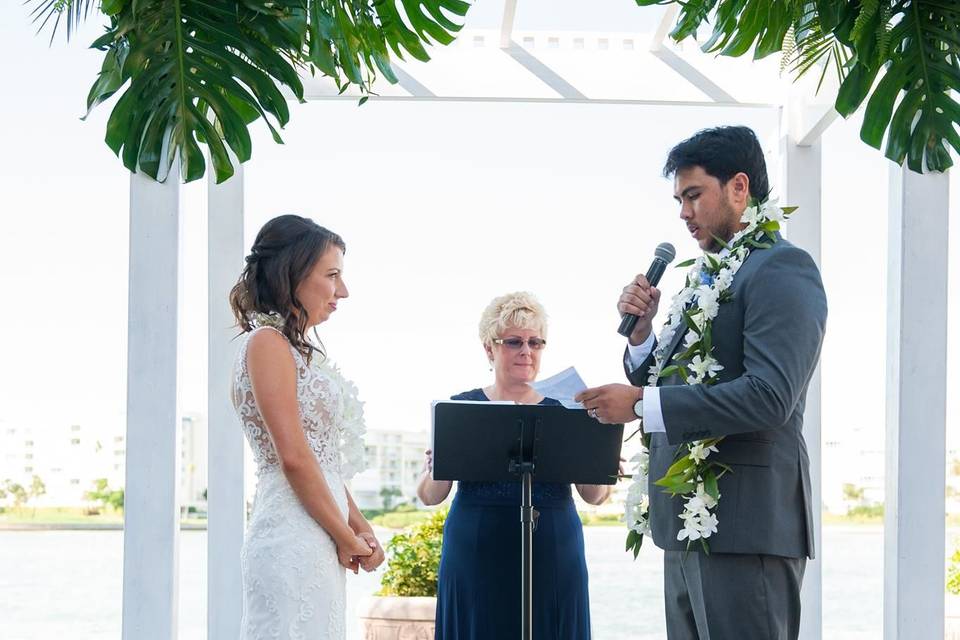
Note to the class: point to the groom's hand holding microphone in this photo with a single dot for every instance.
(640, 299)
(613, 403)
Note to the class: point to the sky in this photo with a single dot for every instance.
(442, 205)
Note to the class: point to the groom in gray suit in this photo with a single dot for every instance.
(767, 338)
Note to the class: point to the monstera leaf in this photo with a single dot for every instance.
(194, 73)
(199, 71)
(914, 103)
(912, 46)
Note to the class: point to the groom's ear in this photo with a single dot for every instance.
(738, 188)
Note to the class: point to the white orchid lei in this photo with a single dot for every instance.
(352, 426)
(692, 475)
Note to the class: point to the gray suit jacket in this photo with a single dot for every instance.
(768, 340)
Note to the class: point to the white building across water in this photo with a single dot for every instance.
(394, 462)
(70, 456)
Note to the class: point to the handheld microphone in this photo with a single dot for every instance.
(664, 255)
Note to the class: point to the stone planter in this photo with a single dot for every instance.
(396, 618)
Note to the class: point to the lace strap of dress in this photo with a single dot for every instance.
(297, 357)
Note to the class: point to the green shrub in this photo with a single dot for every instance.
(953, 573)
(401, 519)
(866, 511)
(600, 519)
(414, 559)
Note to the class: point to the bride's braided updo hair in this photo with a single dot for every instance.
(283, 254)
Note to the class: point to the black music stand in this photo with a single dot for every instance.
(500, 442)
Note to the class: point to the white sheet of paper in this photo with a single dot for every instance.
(563, 387)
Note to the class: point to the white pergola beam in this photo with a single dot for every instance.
(692, 75)
(812, 131)
(802, 175)
(410, 84)
(544, 73)
(665, 27)
(506, 27)
(558, 100)
(914, 528)
(225, 500)
(151, 505)
(676, 62)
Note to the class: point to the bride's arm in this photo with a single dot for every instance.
(362, 527)
(273, 375)
(355, 519)
(431, 491)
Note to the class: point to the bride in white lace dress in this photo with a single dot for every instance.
(304, 424)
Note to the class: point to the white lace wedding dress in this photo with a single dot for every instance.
(293, 585)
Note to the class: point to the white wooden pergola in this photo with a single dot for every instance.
(508, 65)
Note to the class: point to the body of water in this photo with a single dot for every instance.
(67, 584)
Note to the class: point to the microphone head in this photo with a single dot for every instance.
(665, 252)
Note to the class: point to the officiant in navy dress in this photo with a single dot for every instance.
(478, 596)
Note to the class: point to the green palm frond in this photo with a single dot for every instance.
(868, 9)
(760, 25)
(916, 43)
(693, 13)
(913, 104)
(349, 40)
(789, 51)
(815, 48)
(72, 12)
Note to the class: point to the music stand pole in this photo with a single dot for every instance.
(524, 466)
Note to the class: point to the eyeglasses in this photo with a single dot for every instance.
(515, 344)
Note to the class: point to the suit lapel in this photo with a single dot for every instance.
(682, 331)
(677, 338)
(674, 343)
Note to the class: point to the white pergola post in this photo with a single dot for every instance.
(914, 536)
(151, 505)
(225, 503)
(802, 188)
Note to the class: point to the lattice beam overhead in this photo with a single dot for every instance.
(676, 62)
(546, 67)
(506, 27)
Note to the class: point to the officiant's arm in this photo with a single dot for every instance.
(784, 320)
(594, 493)
(431, 491)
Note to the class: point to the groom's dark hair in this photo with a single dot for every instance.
(723, 152)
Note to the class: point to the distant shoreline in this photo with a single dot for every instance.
(192, 526)
(82, 526)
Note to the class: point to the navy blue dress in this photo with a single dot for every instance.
(478, 596)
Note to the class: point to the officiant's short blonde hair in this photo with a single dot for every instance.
(518, 310)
